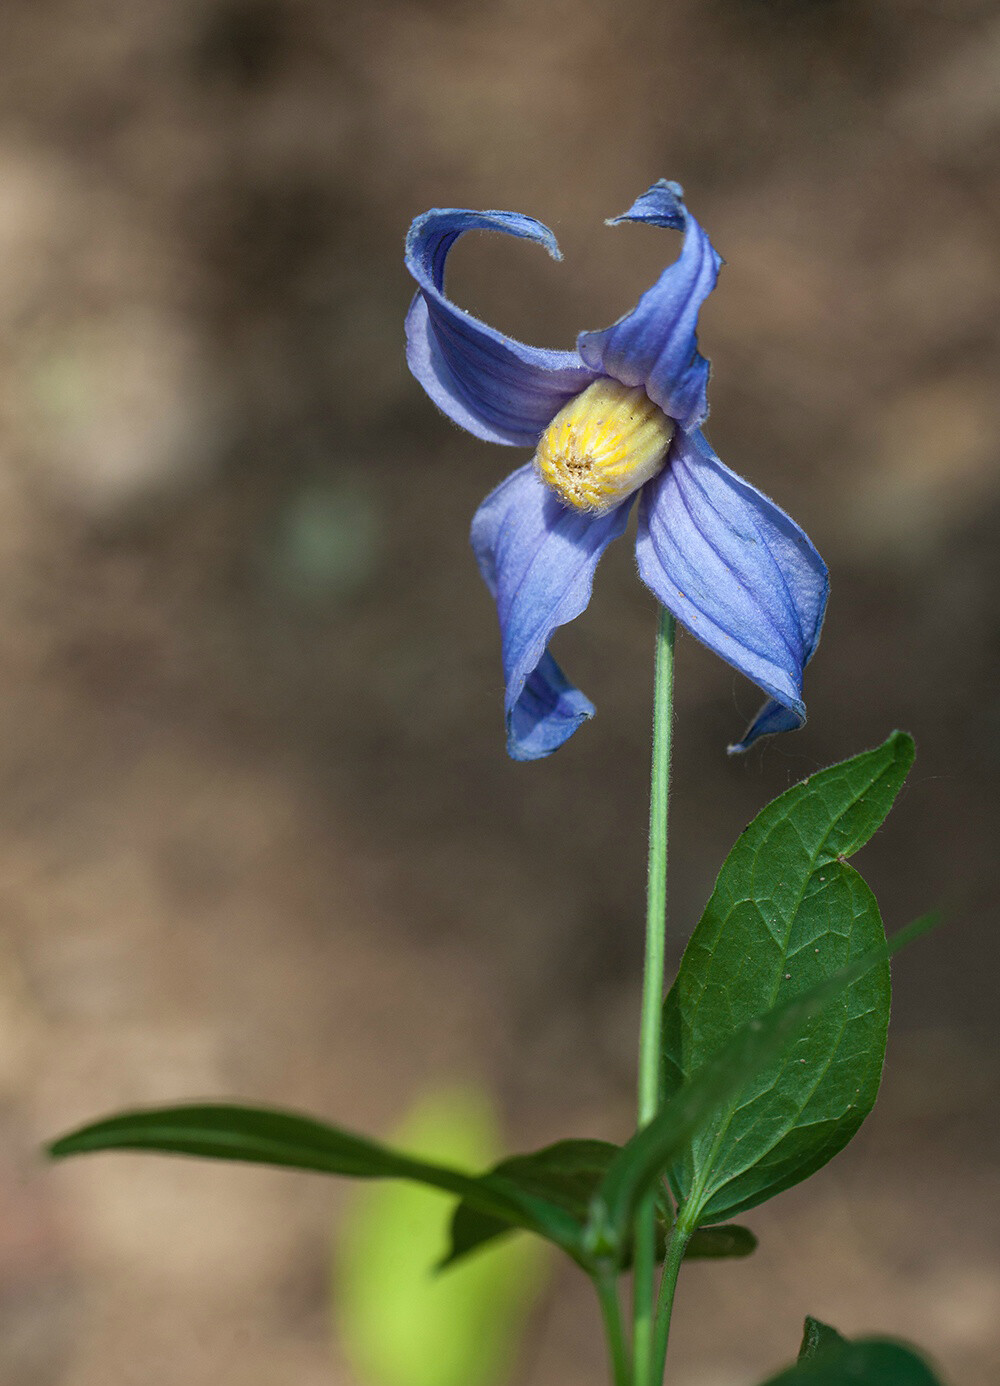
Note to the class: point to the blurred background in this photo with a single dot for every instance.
(260, 837)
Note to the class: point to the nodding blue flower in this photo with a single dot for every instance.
(618, 417)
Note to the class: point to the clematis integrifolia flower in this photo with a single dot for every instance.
(617, 418)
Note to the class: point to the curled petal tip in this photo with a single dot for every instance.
(662, 204)
(772, 718)
(458, 220)
(547, 714)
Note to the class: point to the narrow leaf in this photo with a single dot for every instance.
(817, 1337)
(787, 911)
(867, 1362)
(264, 1136)
(639, 1164)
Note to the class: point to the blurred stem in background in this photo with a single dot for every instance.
(614, 1328)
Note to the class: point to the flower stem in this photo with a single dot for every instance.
(614, 1330)
(652, 992)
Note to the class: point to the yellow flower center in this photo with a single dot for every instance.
(603, 445)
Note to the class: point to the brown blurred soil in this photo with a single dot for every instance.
(259, 838)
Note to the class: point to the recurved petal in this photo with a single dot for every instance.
(493, 386)
(656, 345)
(737, 572)
(537, 557)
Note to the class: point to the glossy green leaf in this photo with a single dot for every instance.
(867, 1362)
(786, 912)
(400, 1324)
(639, 1164)
(817, 1337)
(263, 1136)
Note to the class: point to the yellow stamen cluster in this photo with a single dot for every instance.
(603, 445)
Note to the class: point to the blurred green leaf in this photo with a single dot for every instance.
(817, 1337)
(786, 912)
(728, 1240)
(867, 1362)
(326, 543)
(400, 1323)
(263, 1136)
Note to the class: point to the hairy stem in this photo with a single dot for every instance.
(643, 1346)
(676, 1246)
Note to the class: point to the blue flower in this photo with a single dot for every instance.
(617, 418)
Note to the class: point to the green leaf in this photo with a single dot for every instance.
(639, 1164)
(568, 1174)
(398, 1323)
(714, 1243)
(565, 1174)
(817, 1337)
(867, 1362)
(786, 912)
(263, 1136)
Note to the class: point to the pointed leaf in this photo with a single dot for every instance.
(787, 911)
(816, 1338)
(264, 1136)
(639, 1164)
(867, 1362)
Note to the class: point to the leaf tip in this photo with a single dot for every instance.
(818, 1338)
(60, 1148)
(902, 745)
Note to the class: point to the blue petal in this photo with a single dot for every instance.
(493, 386)
(537, 557)
(737, 572)
(656, 345)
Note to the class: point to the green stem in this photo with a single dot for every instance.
(676, 1247)
(606, 1285)
(652, 991)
